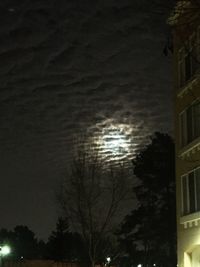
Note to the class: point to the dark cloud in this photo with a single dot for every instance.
(69, 67)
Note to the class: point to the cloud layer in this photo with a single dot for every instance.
(69, 67)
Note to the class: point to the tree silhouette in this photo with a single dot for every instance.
(22, 241)
(25, 242)
(92, 198)
(63, 244)
(151, 227)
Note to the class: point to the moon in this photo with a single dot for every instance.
(114, 143)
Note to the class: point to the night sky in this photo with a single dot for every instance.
(94, 67)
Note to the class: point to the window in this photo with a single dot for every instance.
(188, 60)
(190, 124)
(191, 192)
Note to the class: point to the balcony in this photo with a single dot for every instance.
(189, 85)
(190, 220)
(190, 149)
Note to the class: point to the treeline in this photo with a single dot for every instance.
(61, 244)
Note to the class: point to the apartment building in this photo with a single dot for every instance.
(185, 23)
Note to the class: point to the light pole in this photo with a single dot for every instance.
(4, 250)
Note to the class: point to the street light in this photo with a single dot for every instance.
(108, 259)
(4, 250)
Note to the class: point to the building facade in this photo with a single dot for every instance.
(185, 23)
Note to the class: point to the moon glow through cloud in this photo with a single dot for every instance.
(115, 144)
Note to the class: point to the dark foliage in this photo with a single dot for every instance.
(22, 242)
(64, 245)
(148, 234)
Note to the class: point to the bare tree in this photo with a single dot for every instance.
(93, 198)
